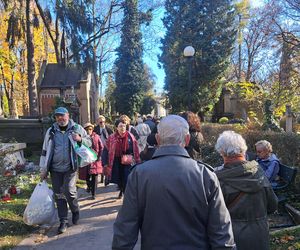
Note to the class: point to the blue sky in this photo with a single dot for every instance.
(152, 60)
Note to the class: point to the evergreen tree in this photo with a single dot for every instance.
(130, 75)
(208, 26)
(109, 95)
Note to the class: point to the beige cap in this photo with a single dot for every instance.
(88, 125)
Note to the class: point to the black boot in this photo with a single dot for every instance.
(120, 194)
(62, 227)
(106, 182)
(75, 218)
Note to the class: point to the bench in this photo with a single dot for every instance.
(286, 177)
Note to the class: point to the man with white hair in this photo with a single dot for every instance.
(174, 201)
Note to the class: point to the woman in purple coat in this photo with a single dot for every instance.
(90, 172)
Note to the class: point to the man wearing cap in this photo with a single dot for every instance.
(59, 158)
(174, 201)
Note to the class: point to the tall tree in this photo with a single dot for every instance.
(242, 9)
(81, 24)
(33, 95)
(130, 75)
(110, 107)
(209, 27)
(15, 32)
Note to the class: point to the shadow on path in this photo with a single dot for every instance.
(95, 228)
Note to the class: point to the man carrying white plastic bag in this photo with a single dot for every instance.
(61, 161)
(40, 209)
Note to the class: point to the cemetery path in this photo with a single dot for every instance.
(95, 228)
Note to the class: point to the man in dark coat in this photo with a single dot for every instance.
(104, 132)
(150, 122)
(174, 201)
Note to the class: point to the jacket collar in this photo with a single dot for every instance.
(170, 150)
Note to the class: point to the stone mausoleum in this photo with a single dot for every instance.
(76, 88)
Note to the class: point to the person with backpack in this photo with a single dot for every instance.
(60, 160)
(248, 194)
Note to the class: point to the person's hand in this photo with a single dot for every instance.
(76, 137)
(43, 175)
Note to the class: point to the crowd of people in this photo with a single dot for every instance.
(172, 198)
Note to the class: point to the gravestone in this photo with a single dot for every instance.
(11, 155)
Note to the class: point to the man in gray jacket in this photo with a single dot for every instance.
(174, 201)
(59, 158)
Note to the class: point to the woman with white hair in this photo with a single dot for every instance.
(248, 194)
(267, 160)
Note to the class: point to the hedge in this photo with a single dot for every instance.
(285, 145)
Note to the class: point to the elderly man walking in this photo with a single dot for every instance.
(59, 158)
(174, 201)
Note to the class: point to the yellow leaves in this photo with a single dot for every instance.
(41, 238)
(14, 61)
(286, 238)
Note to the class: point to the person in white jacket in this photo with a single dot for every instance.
(60, 160)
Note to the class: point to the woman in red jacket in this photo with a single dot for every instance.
(90, 172)
(123, 152)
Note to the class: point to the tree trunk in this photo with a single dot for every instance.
(240, 52)
(33, 96)
(12, 106)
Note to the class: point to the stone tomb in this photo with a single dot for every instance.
(11, 155)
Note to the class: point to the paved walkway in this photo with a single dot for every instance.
(95, 228)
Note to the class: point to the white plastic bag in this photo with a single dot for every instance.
(40, 209)
(86, 154)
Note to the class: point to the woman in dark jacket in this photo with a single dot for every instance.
(119, 145)
(90, 172)
(248, 194)
(194, 147)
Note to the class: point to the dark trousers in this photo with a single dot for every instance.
(65, 192)
(92, 181)
(122, 178)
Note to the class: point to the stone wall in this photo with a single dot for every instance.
(29, 131)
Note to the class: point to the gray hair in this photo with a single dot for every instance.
(230, 144)
(172, 130)
(139, 120)
(264, 144)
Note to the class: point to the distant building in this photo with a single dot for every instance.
(78, 89)
(159, 109)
